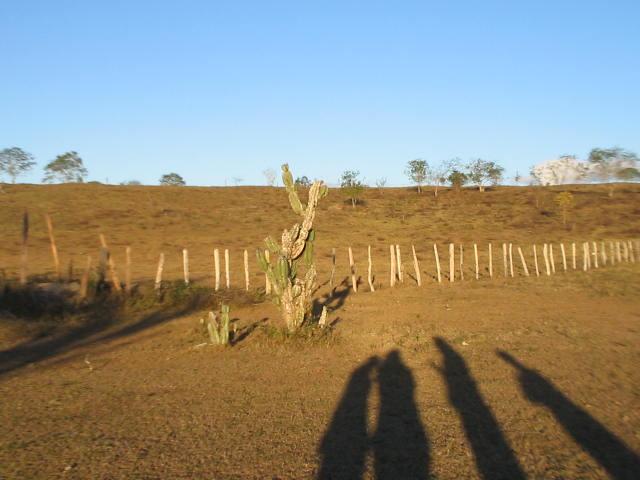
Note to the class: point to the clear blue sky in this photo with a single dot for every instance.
(215, 90)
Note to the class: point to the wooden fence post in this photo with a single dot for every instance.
(352, 267)
(333, 266)
(54, 248)
(416, 266)
(564, 257)
(393, 265)
(452, 263)
(435, 251)
(618, 253)
(216, 267)
(505, 265)
(603, 254)
(227, 273)
(595, 254)
(84, 280)
(246, 270)
(511, 271)
(632, 255)
(400, 269)
(552, 259)
(158, 282)
(625, 252)
(535, 260)
(524, 264)
(545, 253)
(585, 256)
(370, 270)
(461, 255)
(490, 261)
(111, 264)
(475, 254)
(185, 265)
(573, 252)
(612, 253)
(25, 248)
(127, 271)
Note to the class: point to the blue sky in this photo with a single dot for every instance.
(216, 90)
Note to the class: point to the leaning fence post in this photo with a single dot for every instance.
(632, 255)
(625, 252)
(475, 254)
(352, 267)
(545, 253)
(535, 260)
(618, 253)
(416, 266)
(158, 282)
(435, 252)
(227, 273)
(490, 261)
(564, 257)
(333, 266)
(370, 270)
(246, 270)
(524, 264)
(552, 259)
(392, 269)
(54, 248)
(400, 270)
(452, 263)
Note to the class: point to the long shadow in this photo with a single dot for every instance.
(345, 444)
(603, 446)
(493, 456)
(334, 300)
(95, 327)
(400, 444)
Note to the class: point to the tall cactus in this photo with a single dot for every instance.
(291, 287)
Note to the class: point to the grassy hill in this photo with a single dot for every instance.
(167, 219)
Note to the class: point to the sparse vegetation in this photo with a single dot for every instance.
(15, 162)
(418, 171)
(172, 180)
(66, 168)
(564, 201)
(352, 186)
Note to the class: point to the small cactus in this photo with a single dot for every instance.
(292, 289)
(218, 329)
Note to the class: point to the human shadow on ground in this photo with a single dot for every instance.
(603, 446)
(493, 456)
(399, 445)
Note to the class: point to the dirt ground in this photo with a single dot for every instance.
(502, 378)
(510, 378)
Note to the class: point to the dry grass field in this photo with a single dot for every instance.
(503, 378)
